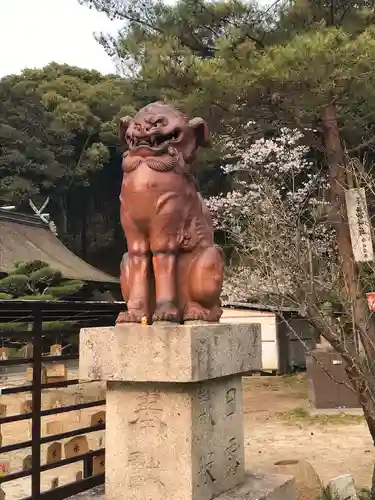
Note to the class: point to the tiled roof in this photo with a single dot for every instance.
(24, 238)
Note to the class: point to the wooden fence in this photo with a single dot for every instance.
(44, 373)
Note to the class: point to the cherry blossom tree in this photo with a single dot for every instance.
(274, 218)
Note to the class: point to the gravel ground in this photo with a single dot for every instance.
(95, 492)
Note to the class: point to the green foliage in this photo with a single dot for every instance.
(58, 137)
(52, 120)
(28, 267)
(363, 494)
(14, 285)
(65, 289)
(45, 277)
(40, 282)
(48, 326)
(37, 297)
(235, 61)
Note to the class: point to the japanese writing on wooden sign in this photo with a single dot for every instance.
(359, 225)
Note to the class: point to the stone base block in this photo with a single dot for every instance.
(174, 441)
(169, 353)
(256, 487)
(263, 487)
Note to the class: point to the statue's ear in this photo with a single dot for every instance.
(201, 132)
(124, 124)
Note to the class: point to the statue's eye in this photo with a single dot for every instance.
(159, 123)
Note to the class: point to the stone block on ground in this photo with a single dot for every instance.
(169, 353)
(343, 488)
(263, 487)
(308, 483)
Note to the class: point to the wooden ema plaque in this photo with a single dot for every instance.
(56, 402)
(3, 410)
(54, 483)
(97, 418)
(57, 372)
(29, 374)
(26, 406)
(98, 464)
(54, 427)
(27, 462)
(76, 446)
(54, 453)
(4, 467)
(79, 475)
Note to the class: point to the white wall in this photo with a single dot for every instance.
(267, 321)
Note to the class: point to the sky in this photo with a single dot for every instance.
(34, 33)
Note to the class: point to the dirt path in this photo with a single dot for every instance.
(277, 427)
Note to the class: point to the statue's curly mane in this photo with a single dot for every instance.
(169, 106)
(163, 163)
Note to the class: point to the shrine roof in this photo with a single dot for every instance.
(25, 237)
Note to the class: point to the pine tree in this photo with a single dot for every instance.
(36, 280)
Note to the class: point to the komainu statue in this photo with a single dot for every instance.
(172, 271)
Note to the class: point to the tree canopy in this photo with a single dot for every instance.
(58, 131)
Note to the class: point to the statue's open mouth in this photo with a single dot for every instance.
(154, 142)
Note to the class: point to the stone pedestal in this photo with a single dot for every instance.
(174, 422)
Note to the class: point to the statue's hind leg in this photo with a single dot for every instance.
(204, 282)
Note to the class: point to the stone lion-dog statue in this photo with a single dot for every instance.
(172, 272)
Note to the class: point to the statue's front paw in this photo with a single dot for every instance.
(166, 311)
(131, 317)
(195, 312)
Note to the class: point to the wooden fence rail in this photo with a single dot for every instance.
(36, 313)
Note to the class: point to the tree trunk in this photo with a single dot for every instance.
(353, 292)
(337, 178)
(84, 202)
(62, 224)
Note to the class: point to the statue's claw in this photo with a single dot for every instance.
(167, 312)
(130, 317)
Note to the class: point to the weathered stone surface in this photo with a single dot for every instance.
(308, 483)
(174, 441)
(263, 487)
(169, 353)
(343, 487)
(255, 487)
